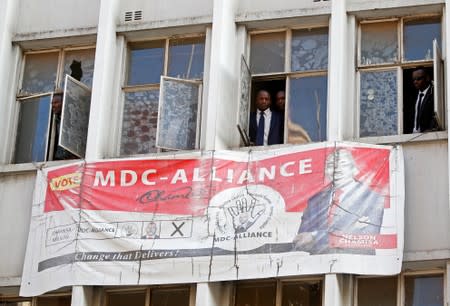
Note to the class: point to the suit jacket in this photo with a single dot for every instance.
(276, 132)
(427, 120)
(359, 201)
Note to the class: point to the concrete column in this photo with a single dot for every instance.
(338, 290)
(221, 103)
(337, 91)
(447, 282)
(214, 294)
(103, 81)
(445, 55)
(82, 296)
(9, 56)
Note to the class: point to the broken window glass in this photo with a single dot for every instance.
(79, 64)
(379, 43)
(378, 103)
(178, 114)
(309, 49)
(139, 122)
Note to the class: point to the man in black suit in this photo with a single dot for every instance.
(266, 126)
(421, 117)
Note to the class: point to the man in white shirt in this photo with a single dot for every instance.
(266, 126)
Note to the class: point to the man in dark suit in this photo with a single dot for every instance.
(346, 209)
(421, 117)
(266, 126)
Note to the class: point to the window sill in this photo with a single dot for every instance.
(30, 167)
(398, 139)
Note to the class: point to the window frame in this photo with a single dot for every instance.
(107, 291)
(287, 75)
(399, 65)
(278, 286)
(400, 293)
(126, 88)
(58, 86)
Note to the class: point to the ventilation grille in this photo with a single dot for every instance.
(133, 16)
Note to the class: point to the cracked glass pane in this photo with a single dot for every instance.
(178, 115)
(33, 129)
(186, 57)
(419, 36)
(40, 72)
(378, 103)
(302, 293)
(139, 122)
(146, 63)
(307, 110)
(379, 43)
(77, 61)
(424, 290)
(309, 49)
(267, 52)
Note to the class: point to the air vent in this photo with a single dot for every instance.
(133, 16)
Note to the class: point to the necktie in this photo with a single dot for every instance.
(335, 202)
(417, 123)
(260, 131)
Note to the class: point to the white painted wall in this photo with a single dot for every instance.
(155, 10)
(427, 216)
(47, 16)
(16, 192)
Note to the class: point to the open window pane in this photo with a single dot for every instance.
(75, 117)
(377, 291)
(379, 43)
(419, 36)
(438, 79)
(267, 52)
(33, 129)
(424, 290)
(256, 294)
(178, 114)
(378, 103)
(40, 72)
(244, 100)
(302, 293)
(186, 58)
(165, 297)
(139, 122)
(146, 63)
(309, 49)
(307, 111)
(126, 298)
(80, 63)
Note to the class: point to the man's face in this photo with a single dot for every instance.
(263, 100)
(280, 100)
(57, 104)
(339, 167)
(420, 79)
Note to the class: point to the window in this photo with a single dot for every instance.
(264, 293)
(162, 96)
(180, 296)
(409, 290)
(295, 63)
(60, 299)
(54, 101)
(377, 291)
(389, 53)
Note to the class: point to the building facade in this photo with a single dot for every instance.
(346, 70)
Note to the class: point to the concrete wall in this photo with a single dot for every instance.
(44, 17)
(16, 191)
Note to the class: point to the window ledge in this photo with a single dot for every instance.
(30, 167)
(395, 139)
